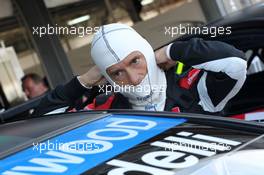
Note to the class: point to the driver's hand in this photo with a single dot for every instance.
(162, 60)
(92, 78)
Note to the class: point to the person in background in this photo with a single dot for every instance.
(33, 85)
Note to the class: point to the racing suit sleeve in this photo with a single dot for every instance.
(224, 66)
(59, 99)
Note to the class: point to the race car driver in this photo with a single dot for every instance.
(125, 59)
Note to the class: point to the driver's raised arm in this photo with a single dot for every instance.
(64, 96)
(224, 66)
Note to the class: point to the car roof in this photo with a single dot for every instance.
(256, 11)
(24, 133)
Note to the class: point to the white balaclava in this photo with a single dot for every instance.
(110, 45)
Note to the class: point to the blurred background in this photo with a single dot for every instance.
(59, 57)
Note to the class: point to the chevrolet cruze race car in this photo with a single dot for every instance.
(118, 142)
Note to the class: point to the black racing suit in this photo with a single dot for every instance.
(216, 73)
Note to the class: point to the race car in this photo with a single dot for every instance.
(128, 142)
(132, 142)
